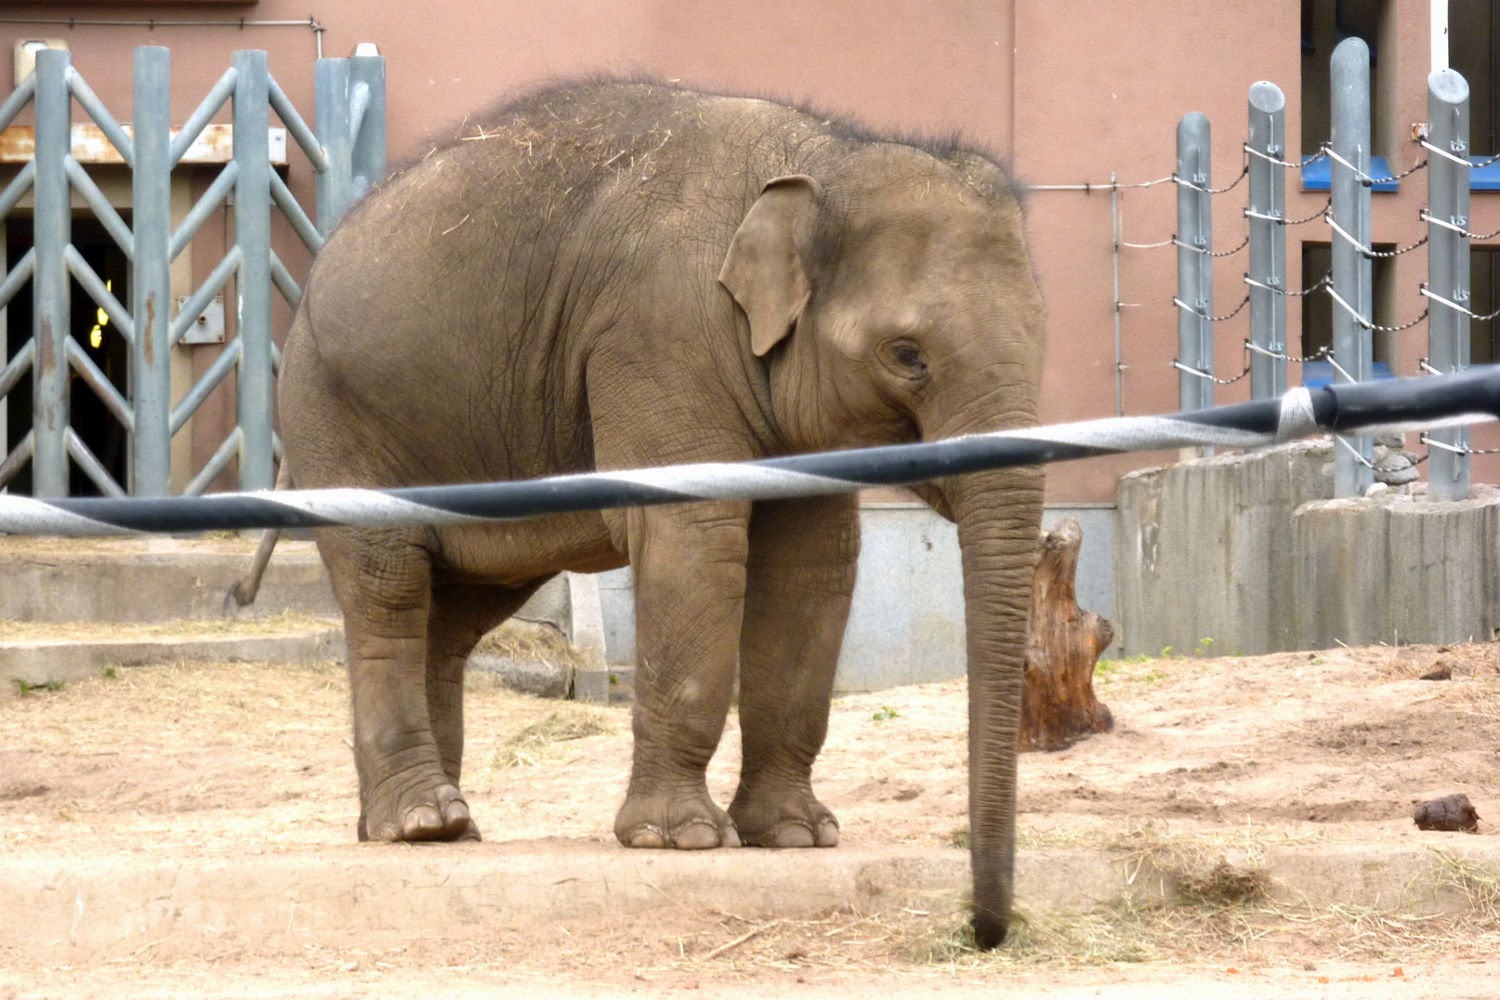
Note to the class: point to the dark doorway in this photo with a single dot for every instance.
(100, 432)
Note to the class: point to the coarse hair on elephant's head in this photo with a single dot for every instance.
(893, 301)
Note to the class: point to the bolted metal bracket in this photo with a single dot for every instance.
(209, 326)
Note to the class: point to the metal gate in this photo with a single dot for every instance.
(347, 152)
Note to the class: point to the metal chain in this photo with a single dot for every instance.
(1321, 154)
(1440, 300)
(1206, 376)
(1322, 352)
(1403, 326)
(1368, 252)
(1311, 218)
(1407, 172)
(1465, 450)
(1212, 319)
(1387, 254)
(1369, 180)
(1320, 284)
(1208, 253)
(1244, 172)
(1230, 253)
(1429, 218)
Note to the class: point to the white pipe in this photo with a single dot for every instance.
(1439, 10)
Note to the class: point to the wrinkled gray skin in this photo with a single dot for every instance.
(614, 275)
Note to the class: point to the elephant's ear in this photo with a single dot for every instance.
(764, 268)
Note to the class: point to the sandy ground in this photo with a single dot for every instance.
(1211, 760)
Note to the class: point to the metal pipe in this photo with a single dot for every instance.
(197, 215)
(96, 380)
(1194, 266)
(151, 276)
(204, 294)
(222, 91)
(51, 314)
(368, 127)
(91, 467)
(252, 230)
(1350, 197)
(89, 280)
(152, 23)
(1448, 267)
(1114, 226)
(1267, 241)
(334, 186)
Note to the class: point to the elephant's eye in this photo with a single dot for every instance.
(905, 359)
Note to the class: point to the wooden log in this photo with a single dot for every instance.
(1058, 707)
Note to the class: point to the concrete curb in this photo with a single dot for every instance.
(96, 905)
(154, 579)
(39, 662)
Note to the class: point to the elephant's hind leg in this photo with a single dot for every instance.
(383, 582)
(459, 617)
(801, 579)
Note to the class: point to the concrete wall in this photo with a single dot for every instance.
(1244, 554)
(1397, 568)
(1203, 550)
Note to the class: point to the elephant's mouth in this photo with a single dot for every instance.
(935, 498)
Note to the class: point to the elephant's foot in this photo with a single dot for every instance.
(683, 821)
(412, 811)
(781, 817)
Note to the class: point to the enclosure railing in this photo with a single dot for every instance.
(347, 152)
(1349, 284)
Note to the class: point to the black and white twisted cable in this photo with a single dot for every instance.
(1368, 407)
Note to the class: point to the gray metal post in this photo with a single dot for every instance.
(1195, 291)
(369, 132)
(1352, 273)
(50, 283)
(252, 232)
(151, 282)
(334, 185)
(1267, 241)
(1448, 267)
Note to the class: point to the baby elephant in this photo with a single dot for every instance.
(618, 274)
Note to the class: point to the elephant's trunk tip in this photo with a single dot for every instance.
(989, 929)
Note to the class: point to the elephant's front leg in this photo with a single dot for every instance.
(383, 582)
(801, 577)
(689, 566)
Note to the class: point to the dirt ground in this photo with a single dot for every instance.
(1212, 760)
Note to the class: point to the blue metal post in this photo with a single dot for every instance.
(50, 282)
(1267, 241)
(252, 229)
(1195, 291)
(1448, 267)
(1354, 300)
(150, 301)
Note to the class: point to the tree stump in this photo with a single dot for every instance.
(1058, 707)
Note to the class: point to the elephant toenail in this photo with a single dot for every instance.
(422, 821)
(648, 837)
(696, 837)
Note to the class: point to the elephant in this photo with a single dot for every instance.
(614, 274)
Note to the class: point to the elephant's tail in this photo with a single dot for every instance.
(244, 590)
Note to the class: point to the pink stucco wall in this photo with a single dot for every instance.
(1072, 91)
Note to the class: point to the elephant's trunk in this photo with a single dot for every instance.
(998, 515)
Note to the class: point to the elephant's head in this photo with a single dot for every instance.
(893, 300)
